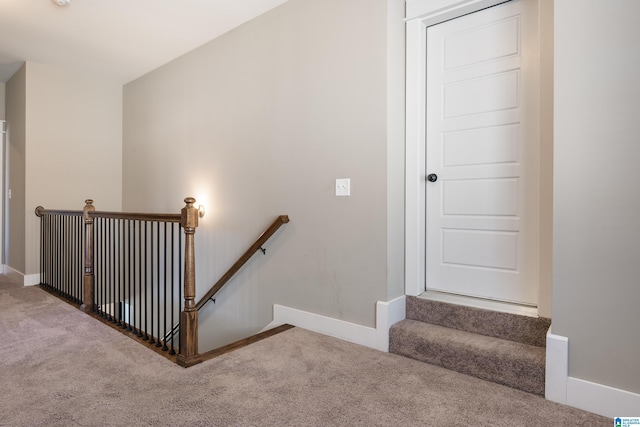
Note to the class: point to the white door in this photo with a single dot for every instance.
(483, 146)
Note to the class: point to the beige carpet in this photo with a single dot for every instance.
(61, 367)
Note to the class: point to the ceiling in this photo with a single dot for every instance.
(115, 39)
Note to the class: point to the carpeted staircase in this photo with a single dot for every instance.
(504, 348)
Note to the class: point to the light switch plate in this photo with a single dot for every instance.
(343, 187)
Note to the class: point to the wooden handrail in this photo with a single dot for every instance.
(40, 211)
(282, 219)
(161, 217)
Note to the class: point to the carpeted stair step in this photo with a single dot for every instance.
(513, 327)
(511, 363)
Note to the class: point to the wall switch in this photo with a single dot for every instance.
(343, 187)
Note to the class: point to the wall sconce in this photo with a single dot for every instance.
(62, 2)
(200, 211)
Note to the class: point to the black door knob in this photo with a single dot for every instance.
(432, 177)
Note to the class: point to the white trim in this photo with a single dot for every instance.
(415, 243)
(486, 304)
(419, 15)
(586, 395)
(601, 399)
(32, 279)
(424, 9)
(19, 277)
(557, 368)
(387, 313)
(13, 274)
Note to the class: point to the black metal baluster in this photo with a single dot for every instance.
(47, 249)
(146, 282)
(68, 243)
(112, 284)
(65, 258)
(164, 334)
(54, 240)
(105, 272)
(100, 272)
(173, 272)
(134, 276)
(71, 261)
(151, 337)
(58, 255)
(79, 261)
(180, 267)
(43, 249)
(125, 273)
(49, 252)
(129, 320)
(61, 264)
(97, 264)
(105, 286)
(50, 255)
(139, 264)
(100, 291)
(119, 274)
(54, 252)
(74, 259)
(158, 344)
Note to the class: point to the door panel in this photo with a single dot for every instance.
(469, 248)
(483, 144)
(482, 95)
(480, 146)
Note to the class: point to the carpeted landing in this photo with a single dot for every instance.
(60, 367)
(504, 348)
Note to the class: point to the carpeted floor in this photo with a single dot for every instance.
(59, 367)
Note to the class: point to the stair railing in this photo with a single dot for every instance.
(255, 247)
(130, 269)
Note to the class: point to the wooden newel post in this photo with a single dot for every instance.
(188, 354)
(87, 300)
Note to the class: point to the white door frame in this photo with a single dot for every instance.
(421, 14)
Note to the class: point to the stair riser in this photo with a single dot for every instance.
(497, 362)
(512, 327)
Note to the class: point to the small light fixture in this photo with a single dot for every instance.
(62, 2)
(201, 211)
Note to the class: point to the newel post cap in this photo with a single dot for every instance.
(189, 214)
(88, 207)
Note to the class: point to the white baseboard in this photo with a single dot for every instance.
(32, 279)
(601, 399)
(586, 395)
(19, 277)
(557, 369)
(387, 313)
(13, 274)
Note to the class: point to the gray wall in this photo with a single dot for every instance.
(73, 146)
(2, 89)
(16, 111)
(65, 145)
(260, 122)
(596, 287)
